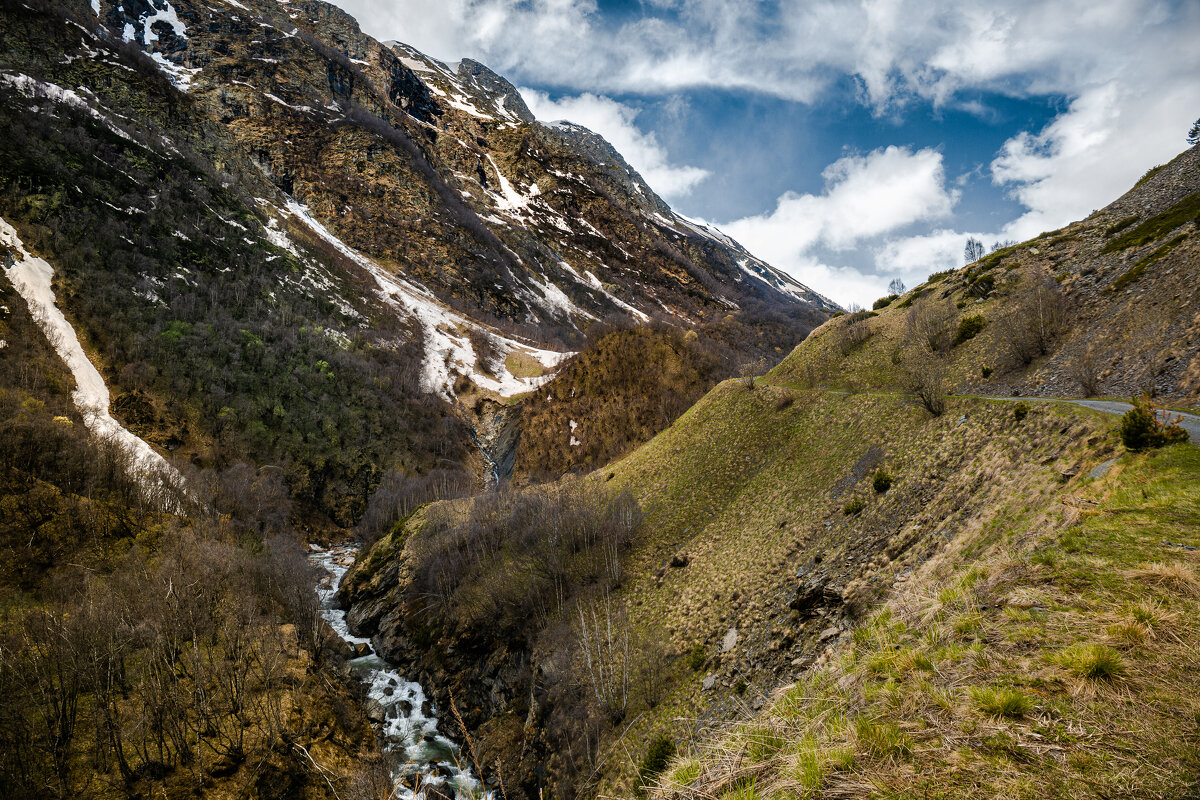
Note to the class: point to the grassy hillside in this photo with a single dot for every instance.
(629, 384)
(761, 515)
(1049, 652)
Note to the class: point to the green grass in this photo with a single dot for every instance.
(1091, 661)
(1089, 652)
(685, 771)
(1186, 210)
(523, 365)
(1135, 272)
(1001, 702)
(880, 738)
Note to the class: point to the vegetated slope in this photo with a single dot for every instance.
(144, 652)
(1107, 306)
(627, 386)
(1049, 653)
(763, 539)
(279, 237)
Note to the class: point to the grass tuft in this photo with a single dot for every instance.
(1001, 702)
(880, 738)
(762, 743)
(1092, 661)
(685, 771)
(1178, 578)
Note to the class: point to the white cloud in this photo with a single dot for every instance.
(1093, 153)
(796, 48)
(865, 197)
(913, 258)
(615, 122)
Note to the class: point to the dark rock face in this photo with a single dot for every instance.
(814, 594)
(493, 84)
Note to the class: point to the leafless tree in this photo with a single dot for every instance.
(604, 641)
(752, 369)
(1086, 371)
(1032, 324)
(925, 377)
(931, 325)
(973, 251)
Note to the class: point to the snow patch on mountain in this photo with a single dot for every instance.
(39, 90)
(448, 349)
(32, 278)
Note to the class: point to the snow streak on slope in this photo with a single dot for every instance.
(31, 276)
(448, 350)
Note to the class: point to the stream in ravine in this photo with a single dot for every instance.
(424, 757)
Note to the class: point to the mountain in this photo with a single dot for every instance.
(277, 236)
(873, 569)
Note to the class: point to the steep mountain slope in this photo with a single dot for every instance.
(282, 240)
(1107, 306)
(910, 572)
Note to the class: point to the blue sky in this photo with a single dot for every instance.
(848, 142)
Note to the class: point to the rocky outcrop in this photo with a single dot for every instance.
(496, 428)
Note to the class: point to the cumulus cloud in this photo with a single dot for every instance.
(865, 197)
(1091, 154)
(795, 48)
(615, 122)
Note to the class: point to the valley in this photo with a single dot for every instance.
(364, 437)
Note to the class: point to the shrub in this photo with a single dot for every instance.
(969, 328)
(1001, 702)
(697, 657)
(1092, 661)
(986, 372)
(1144, 426)
(925, 376)
(658, 754)
(854, 506)
(883, 302)
(882, 481)
(1020, 411)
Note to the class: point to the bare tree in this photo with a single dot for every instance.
(1086, 371)
(931, 325)
(1034, 322)
(925, 377)
(604, 639)
(973, 251)
(751, 369)
(853, 333)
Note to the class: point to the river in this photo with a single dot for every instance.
(424, 758)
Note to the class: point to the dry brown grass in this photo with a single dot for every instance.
(1173, 576)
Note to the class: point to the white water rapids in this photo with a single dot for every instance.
(425, 758)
